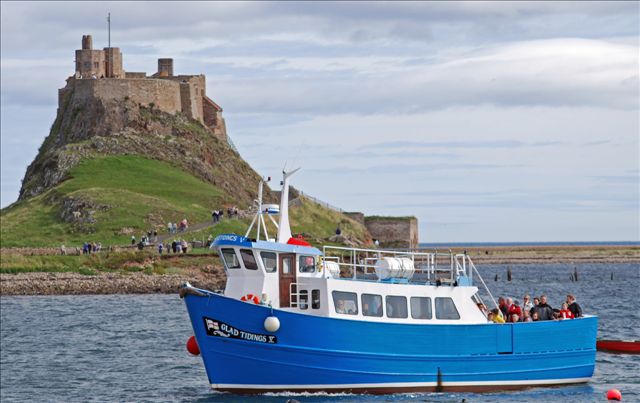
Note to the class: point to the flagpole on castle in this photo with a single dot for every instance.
(109, 28)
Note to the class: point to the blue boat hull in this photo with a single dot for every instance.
(311, 353)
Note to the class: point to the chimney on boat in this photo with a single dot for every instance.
(284, 230)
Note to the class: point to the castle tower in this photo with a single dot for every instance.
(89, 63)
(165, 67)
(113, 63)
(87, 42)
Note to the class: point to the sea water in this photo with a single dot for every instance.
(132, 347)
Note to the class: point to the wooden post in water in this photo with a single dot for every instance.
(495, 278)
(439, 381)
(575, 274)
(611, 276)
(509, 273)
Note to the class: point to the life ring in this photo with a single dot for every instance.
(251, 298)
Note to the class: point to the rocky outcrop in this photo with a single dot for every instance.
(120, 127)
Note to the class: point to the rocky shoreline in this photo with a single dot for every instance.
(104, 283)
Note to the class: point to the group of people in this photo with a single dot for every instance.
(216, 215)
(145, 239)
(534, 310)
(177, 246)
(173, 228)
(87, 248)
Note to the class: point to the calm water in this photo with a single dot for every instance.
(131, 348)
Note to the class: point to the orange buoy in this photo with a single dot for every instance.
(614, 394)
(192, 346)
(251, 298)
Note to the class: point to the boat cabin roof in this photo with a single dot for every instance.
(244, 242)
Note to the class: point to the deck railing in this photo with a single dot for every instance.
(436, 267)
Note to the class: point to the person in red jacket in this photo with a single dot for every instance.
(514, 309)
(565, 313)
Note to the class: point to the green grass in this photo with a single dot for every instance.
(139, 193)
(319, 222)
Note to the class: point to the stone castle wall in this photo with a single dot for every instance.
(164, 94)
(394, 232)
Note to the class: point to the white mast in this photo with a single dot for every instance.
(284, 230)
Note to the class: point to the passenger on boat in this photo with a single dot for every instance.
(565, 313)
(496, 317)
(514, 318)
(504, 308)
(482, 308)
(526, 316)
(534, 316)
(544, 310)
(573, 306)
(526, 303)
(340, 307)
(514, 308)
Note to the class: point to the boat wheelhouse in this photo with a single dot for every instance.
(296, 318)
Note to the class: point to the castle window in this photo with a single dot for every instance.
(87, 65)
(96, 65)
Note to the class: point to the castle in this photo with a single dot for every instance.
(99, 75)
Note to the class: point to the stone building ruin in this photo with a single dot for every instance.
(99, 74)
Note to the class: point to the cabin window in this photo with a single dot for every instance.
(446, 309)
(270, 261)
(304, 299)
(421, 308)
(248, 259)
(286, 265)
(345, 302)
(371, 305)
(396, 306)
(315, 299)
(230, 259)
(307, 264)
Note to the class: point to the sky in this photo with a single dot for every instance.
(489, 121)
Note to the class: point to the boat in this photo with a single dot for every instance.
(619, 346)
(295, 318)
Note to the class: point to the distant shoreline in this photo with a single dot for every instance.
(211, 275)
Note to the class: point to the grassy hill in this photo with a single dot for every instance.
(123, 195)
(127, 195)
